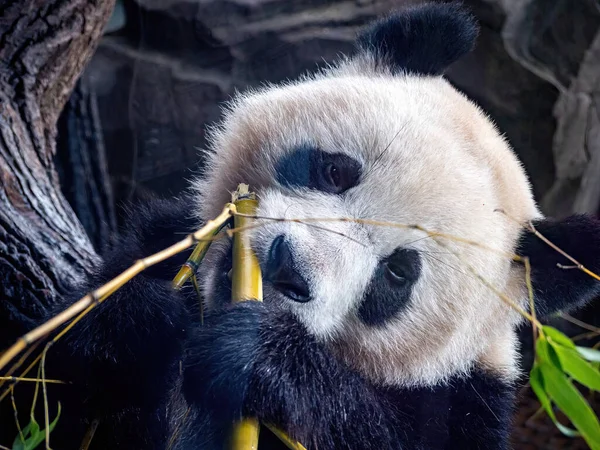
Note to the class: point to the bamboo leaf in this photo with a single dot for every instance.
(564, 394)
(579, 369)
(558, 337)
(589, 353)
(33, 435)
(55, 421)
(546, 353)
(537, 384)
(19, 443)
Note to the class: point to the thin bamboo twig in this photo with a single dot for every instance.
(107, 289)
(189, 269)
(45, 396)
(577, 264)
(379, 223)
(579, 323)
(31, 379)
(36, 392)
(530, 295)
(583, 336)
(16, 414)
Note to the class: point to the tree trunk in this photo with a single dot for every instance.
(44, 45)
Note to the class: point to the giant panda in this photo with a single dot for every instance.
(369, 337)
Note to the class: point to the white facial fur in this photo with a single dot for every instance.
(445, 168)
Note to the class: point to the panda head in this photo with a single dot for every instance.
(381, 136)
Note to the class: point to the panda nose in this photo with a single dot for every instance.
(281, 273)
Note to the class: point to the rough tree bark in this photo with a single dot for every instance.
(44, 45)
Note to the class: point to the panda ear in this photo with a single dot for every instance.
(555, 287)
(422, 40)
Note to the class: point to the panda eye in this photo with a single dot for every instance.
(402, 267)
(338, 173)
(332, 175)
(310, 167)
(395, 272)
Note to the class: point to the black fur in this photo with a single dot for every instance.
(222, 294)
(152, 226)
(557, 288)
(422, 40)
(255, 360)
(388, 294)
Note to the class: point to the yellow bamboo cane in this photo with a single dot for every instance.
(246, 284)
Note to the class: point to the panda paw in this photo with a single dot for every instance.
(220, 359)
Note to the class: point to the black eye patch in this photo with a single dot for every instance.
(333, 173)
(391, 287)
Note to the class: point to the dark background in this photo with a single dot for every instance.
(135, 123)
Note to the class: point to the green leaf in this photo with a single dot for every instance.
(55, 421)
(33, 435)
(19, 444)
(558, 337)
(34, 429)
(546, 353)
(564, 394)
(30, 429)
(537, 384)
(573, 364)
(589, 353)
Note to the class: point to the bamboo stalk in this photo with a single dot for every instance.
(189, 269)
(290, 443)
(191, 265)
(246, 279)
(103, 292)
(246, 284)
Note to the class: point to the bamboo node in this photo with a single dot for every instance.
(242, 193)
(95, 298)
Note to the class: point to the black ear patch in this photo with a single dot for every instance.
(422, 40)
(557, 289)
